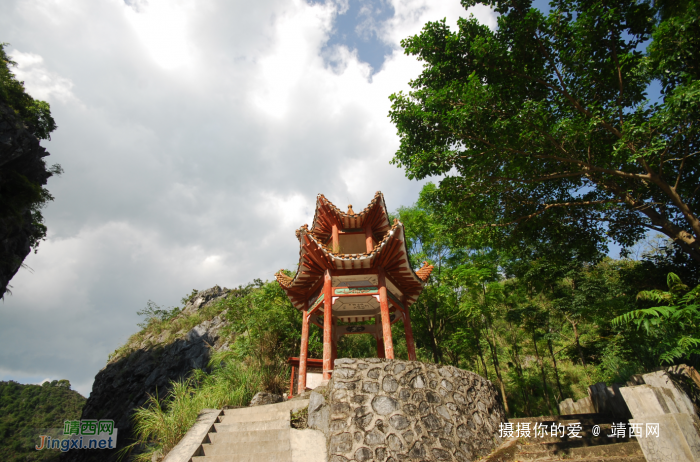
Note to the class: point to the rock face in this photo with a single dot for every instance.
(21, 159)
(391, 410)
(261, 398)
(125, 382)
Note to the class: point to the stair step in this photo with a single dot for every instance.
(594, 459)
(588, 419)
(251, 426)
(541, 444)
(259, 417)
(283, 406)
(278, 456)
(246, 447)
(249, 436)
(584, 452)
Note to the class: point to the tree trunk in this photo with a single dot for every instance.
(544, 377)
(556, 371)
(519, 372)
(480, 352)
(494, 356)
(578, 344)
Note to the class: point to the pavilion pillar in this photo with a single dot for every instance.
(334, 345)
(369, 239)
(304, 350)
(327, 325)
(386, 320)
(335, 238)
(410, 345)
(378, 335)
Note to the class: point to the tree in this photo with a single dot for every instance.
(36, 114)
(23, 171)
(545, 125)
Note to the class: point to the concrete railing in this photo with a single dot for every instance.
(190, 444)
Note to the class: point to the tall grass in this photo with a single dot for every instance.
(161, 423)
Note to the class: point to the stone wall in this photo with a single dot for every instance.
(390, 410)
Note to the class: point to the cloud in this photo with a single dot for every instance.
(194, 137)
(43, 84)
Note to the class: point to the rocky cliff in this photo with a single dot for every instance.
(22, 175)
(149, 361)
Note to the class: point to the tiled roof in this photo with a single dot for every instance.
(327, 214)
(315, 256)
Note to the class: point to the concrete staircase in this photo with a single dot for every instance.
(588, 448)
(259, 434)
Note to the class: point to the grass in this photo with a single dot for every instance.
(161, 423)
(174, 327)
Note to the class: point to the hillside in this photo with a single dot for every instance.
(25, 409)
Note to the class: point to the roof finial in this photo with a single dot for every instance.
(350, 210)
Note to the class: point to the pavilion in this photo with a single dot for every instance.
(353, 268)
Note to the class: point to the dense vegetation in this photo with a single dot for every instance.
(25, 410)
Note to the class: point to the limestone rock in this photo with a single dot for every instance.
(126, 382)
(262, 398)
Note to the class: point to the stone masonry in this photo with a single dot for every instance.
(390, 410)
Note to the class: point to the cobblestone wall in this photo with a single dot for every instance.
(391, 410)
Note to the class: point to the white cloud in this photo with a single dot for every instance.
(41, 83)
(194, 138)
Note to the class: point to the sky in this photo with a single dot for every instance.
(194, 136)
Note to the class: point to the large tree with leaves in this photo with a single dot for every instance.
(546, 124)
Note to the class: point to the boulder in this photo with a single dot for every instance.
(262, 398)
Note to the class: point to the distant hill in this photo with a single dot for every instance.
(24, 409)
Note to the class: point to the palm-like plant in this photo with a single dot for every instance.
(676, 320)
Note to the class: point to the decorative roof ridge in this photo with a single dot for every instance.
(283, 279)
(424, 272)
(320, 197)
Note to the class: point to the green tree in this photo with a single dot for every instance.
(544, 126)
(36, 114)
(22, 191)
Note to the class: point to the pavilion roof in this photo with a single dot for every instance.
(327, 214)
(390, 253)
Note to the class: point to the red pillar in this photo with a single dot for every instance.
(334, 345)
(369, 239)
(386, 321)
(380, 342)
(304, 350)
(291, 385)
(327, 325)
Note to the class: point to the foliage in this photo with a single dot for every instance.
(27, 409)
(155, 314)
(22, 195)
(161, 423)
(678, 319)
(544, 130)
(36, 114)
(539, 325)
